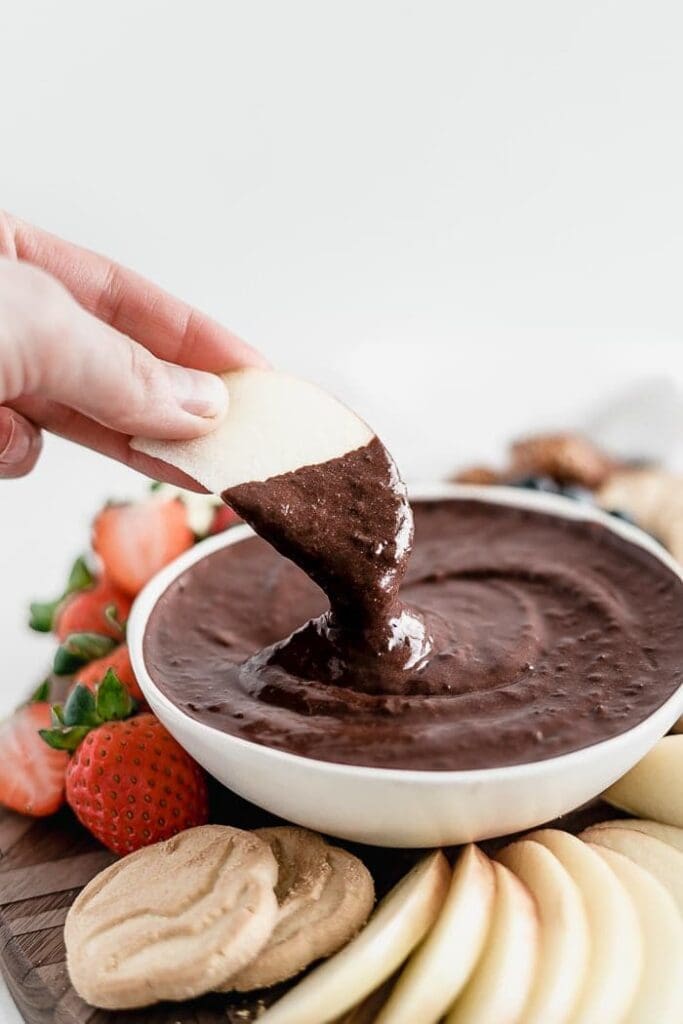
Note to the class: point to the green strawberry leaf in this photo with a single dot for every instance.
(114, 702)
(80, 577)
(78, 649)
(41, 694)
(42, 615)
(80, 708)
(85, 710)
(64, 739)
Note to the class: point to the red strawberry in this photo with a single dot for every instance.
(86, 611)
(119, 660)
(131, 784)
(42, 613)
(223, 519)
(31, 775)
(134, 541)
(128, 781)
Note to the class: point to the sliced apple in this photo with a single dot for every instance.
(648, 790)
(397, 926)
(666, 833)
(439, 969)
(499, 988)
(615, 937)
(659, 996)
(366, 1012)
(564, 941)
(274, 424)
(660, 859)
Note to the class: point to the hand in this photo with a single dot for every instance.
(94, 353)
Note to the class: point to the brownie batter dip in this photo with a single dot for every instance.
(509, 637)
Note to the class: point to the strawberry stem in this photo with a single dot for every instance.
(111, 614)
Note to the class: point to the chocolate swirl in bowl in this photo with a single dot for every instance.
(511, 636)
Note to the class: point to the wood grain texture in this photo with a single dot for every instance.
(43, 866)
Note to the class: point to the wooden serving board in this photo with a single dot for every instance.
(43, 866)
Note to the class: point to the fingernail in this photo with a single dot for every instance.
(200, 394)
(15, 442)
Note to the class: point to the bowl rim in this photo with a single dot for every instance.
(541, 501)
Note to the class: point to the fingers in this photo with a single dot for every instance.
(166, 326)
(52, 348)
(20, 444)
(73, 426)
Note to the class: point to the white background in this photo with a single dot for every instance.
(466, 218)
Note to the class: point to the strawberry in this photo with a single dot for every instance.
(32, 777)
(134, 541)
(101, 608)
(223, 518)
(118, 660)
(43, 613)
(128, 781)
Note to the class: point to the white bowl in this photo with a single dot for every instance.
(394, 807)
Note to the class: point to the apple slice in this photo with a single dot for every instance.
(616, 942)
(498, 990)
(439, 969)
(648, 790)
(660, 859)
(564, 940)
(274, 424)
(399, 923)
(366, 1012)
(666, 833)
(659, 995)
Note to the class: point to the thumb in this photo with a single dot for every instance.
(69, 356)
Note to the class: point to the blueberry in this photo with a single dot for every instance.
(537, 483)
(619, 513)
(578, 493)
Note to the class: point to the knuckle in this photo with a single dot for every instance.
(190, 332)
(142, 368)
(111, 295)
(144, 390)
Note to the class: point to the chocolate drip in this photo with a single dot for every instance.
(348, 525)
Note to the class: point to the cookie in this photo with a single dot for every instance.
(325, 896)
(654, 498)
(567, 458)
(174, 920)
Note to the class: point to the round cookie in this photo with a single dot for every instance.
(325, 896)
(174, 920)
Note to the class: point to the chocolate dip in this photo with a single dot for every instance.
(534, 636)
(348, 524)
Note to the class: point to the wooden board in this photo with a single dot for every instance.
(43, 866)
